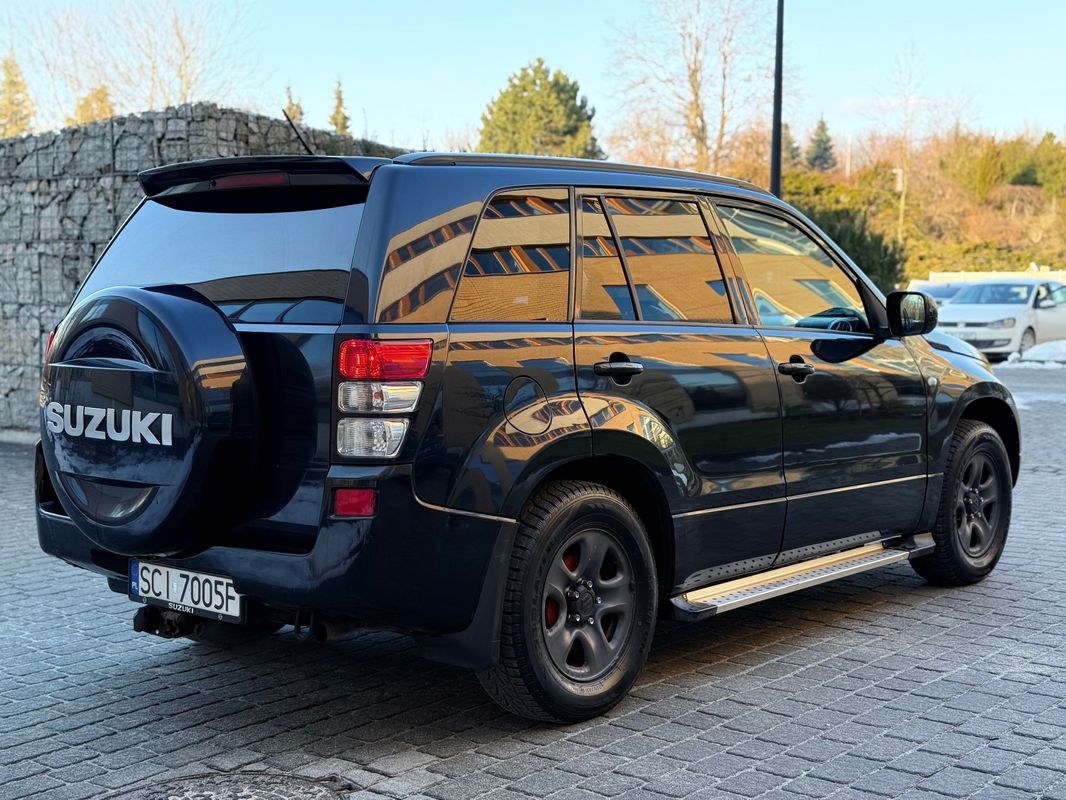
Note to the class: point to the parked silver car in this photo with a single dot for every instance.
(1002, 316)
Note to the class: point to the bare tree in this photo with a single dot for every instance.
(645, 136)
(693, 66)
(148, 55)
(909, 108)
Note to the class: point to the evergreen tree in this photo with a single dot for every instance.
(987, 171)
(820, 154)
(842, 212)
(791, 157)
(16, 109)
(293, 107)
(539, 113)
(1050, 158)
(94, 106)
(338, 119)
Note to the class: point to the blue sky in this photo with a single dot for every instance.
(414, 70)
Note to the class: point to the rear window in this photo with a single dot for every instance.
(286, 266)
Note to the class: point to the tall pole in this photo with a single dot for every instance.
(775, 136)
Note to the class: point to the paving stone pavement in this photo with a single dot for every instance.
(875, 686)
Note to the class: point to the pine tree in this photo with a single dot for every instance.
(94, 106)
(338, 119)
(1051, 168)
(791, 157)
(820, 154)
(16, 108)
(539, 113)
(293, 108)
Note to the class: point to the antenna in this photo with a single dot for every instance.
(299, 135)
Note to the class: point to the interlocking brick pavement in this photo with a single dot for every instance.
(875, 686)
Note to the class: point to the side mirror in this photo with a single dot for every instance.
(1047, 302)
(911, 313)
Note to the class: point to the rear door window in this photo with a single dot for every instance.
(519, 265)
(655, 252)
(604, 290)
(283, 266)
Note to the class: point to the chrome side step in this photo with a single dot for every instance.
(721, 597)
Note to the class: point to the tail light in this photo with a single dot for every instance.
(370, 438)
(383, 378)
(362, 359)
(51, 339)
(374, 397)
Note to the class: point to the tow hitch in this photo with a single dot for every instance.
(167, 624)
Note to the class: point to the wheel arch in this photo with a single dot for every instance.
(638, 484)
(998, 414)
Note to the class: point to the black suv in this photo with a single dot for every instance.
(518, 408)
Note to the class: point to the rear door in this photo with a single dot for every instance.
(854, 403)
(508, 396)
(663, 355)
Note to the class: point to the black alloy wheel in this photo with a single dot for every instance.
(588, 604)
(580, 605)
(975, 506)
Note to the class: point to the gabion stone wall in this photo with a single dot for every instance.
(62, 196)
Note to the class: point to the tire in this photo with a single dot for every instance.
(553, 667)
(156, 453)
(1028, 340)
(971, 529)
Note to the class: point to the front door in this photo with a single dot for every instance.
(854, 403)
(1050, 310)
(667, 371)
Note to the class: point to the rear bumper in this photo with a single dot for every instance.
(413, 568)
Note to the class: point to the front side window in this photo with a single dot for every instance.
(793, 280)
(519, 265)
(655, 250)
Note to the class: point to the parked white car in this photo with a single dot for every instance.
(942, 293)
(1000, 317)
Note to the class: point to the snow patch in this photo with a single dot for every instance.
(1049, 355)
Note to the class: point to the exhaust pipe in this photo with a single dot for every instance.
(328, 630)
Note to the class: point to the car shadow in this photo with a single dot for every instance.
(370, 696)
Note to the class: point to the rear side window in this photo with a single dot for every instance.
(519, 265)
(284, 266)
(654, 251)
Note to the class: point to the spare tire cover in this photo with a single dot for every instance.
(148, 420)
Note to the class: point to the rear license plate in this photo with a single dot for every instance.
(210, 596)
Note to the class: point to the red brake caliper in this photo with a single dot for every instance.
(551, 612)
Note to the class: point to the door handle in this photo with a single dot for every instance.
(797, 369)
(618, 368)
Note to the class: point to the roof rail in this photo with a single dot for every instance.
(554, 162)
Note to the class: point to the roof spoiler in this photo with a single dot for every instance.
(258, 172)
